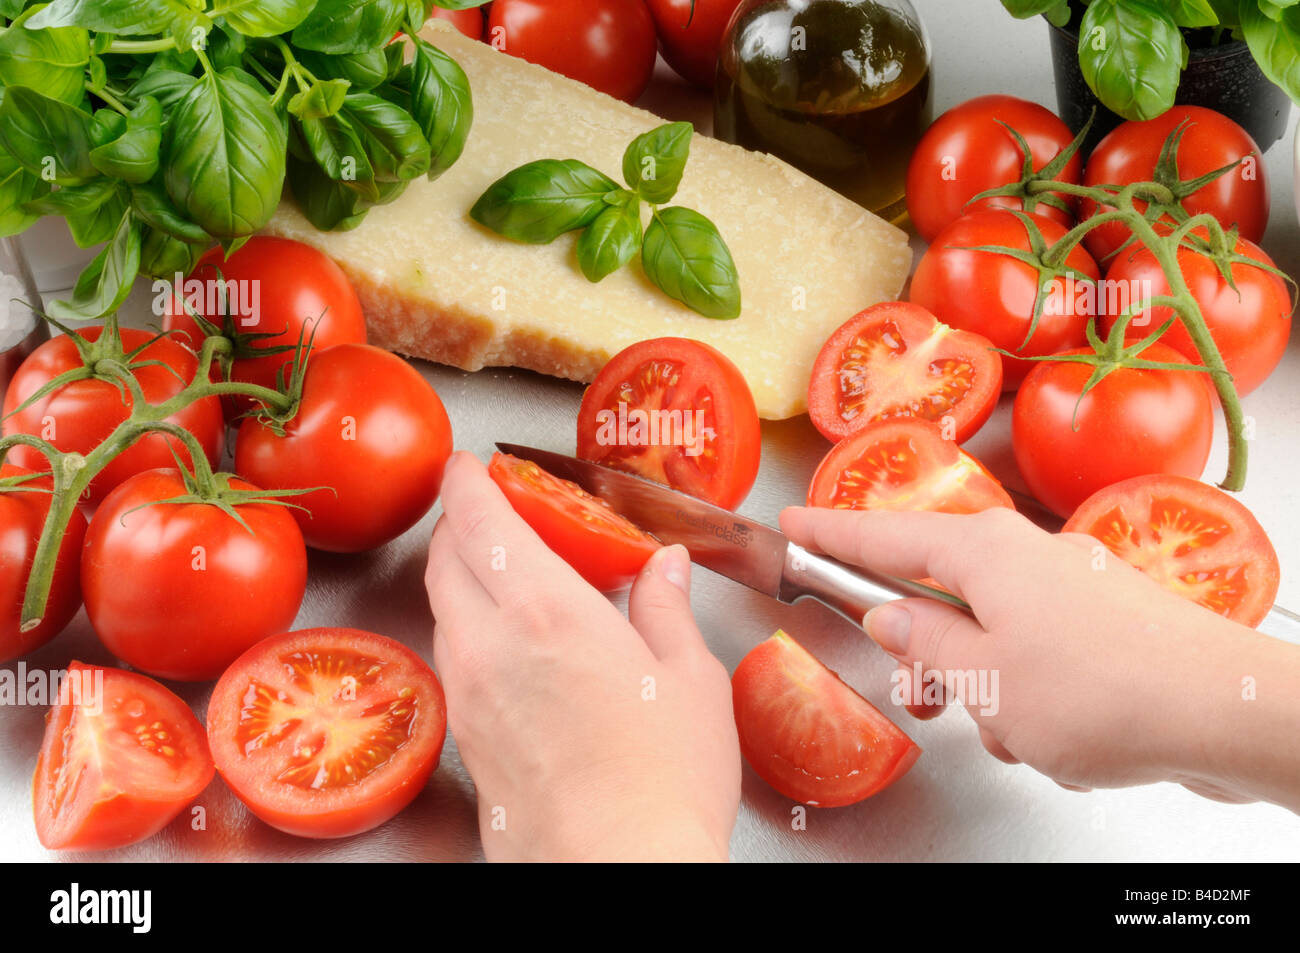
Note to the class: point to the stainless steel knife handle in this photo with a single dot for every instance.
(850, 591)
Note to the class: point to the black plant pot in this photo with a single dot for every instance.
(1224, 78)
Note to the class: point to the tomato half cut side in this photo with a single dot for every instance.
(808, 734)
(603, 547)
(327, 732)
(122, 756)
(1192, 538)
(896, 360)
(678, 412)
(904, 464)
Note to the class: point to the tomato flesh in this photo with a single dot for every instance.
(327, 732)
(1193, 539)
(808, 734)
(676, 411)
(604, 548)
(897, 360)
(117, 764)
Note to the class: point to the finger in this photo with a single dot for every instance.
(1079, 789)
(959, 551)
(1082, 540)
(925, 699)
(996, 748)
(659, 606)
(941, 638)
(459, 603)
(500, 549)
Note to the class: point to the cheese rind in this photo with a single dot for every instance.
(436, 285)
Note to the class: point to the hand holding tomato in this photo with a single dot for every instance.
(1104, 678)
(592, 737)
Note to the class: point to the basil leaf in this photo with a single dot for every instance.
(74, 199)
(225, 48)
(1024, 9)
(17, 188)
(1275, 46)
(1190, 13)
(155, 209)
(339, 152)
(169, 87)
(327, 204)
(11, 8)
(225, 156)
(686, 258)
(542, 200)
(106, 281)
(53, 61)
(323, 98)
(132, 154)
(362, 70)
(441, 103)
(349, 26)
(48, 137)
(394, 143)
(653, 164)
(163, 255)
(176, 18)
(98, 224)
(609, 243)
(459, 4)
(1131, 55)
(263, 17)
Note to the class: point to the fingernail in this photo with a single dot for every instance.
(674, 562)
(889, 627)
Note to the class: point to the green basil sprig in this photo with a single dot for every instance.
(682, 252)
(163, 126)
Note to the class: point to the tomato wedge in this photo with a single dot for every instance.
(327, 732)
(808, 734)
(122, 756)
(1192, 538)
(897, 360)
(904, 464)
(606, 549)
(677, 411)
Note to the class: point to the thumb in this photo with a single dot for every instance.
(659, 606)
(940, 637)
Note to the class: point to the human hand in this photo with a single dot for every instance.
(588, 737)
(1105, 679)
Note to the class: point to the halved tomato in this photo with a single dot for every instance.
(1192, 538)
(122, 756)
(904, 464)
(606, 549)
(808, 734)
(896, 360)
(327, 732)
(677, 411)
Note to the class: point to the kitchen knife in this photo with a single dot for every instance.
(741, 549)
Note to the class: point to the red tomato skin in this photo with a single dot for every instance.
(82, 414)
(1134, 423)
(123, 817)
(966, 152)
(992, 294)
(469, 22)
(371, 428)
(1251, 325)
(691, 42)
(345, 821)
(158, 610)
(297, 286)
(22, 518)
(608, 44)
(1130, 152)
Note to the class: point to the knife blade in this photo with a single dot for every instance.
(744, 550)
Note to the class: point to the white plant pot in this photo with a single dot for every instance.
(55, 259)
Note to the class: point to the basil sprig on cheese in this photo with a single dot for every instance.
(682, 252)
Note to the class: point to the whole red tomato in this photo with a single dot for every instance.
(79, 416)
(607, 44)
(966, 151)
(1135, 422)
(371, 432)
(180, 590)
(1249, 320)
(22, 517)
(992, 294)
(690, 39)
(1130, 153)
(283, 288)
(469, 22)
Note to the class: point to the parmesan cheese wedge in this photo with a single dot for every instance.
(436, 285)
